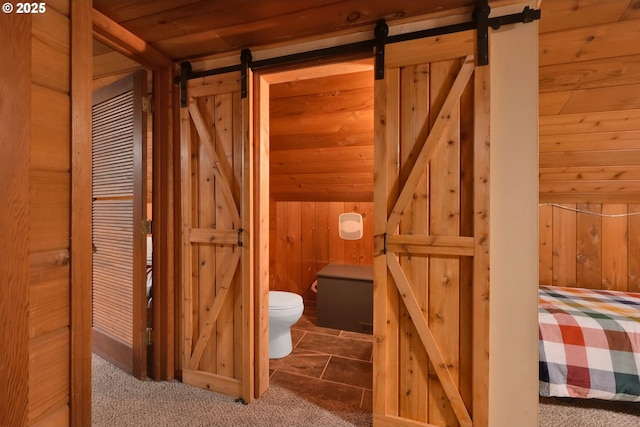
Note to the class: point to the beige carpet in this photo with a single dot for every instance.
(123, 401)
(556, 412)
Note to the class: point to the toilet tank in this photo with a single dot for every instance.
(345, 297)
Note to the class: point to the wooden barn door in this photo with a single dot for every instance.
(119, 245)
(431, 224)
(216, 290)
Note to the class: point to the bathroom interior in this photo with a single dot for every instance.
(321, 229)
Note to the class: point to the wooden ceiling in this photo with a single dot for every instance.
(187, 29)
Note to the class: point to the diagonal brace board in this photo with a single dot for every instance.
(440, 125)
(433, 351)
(219, 168)
(207, 329)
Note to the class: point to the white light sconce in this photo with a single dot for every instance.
(350, 226)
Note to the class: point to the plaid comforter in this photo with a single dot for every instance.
(589, 343)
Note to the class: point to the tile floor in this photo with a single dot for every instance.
(326, 364)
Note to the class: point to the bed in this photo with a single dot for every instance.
(589, 343)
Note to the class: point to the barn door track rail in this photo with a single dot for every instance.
(480, 22)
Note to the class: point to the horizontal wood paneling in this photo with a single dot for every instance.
(321, 138)
(51, 114)
(49, 306)
(304, 238)
(50, 210)
(596, 248)
(49, 360)
(50, 219)
(50, 64)
(589, 101)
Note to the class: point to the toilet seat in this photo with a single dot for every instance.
(279, 300)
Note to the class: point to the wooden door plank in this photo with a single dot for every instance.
(244, 119)
(444, 219)
(186, 215)
(481, 259)
(214, 311)
(439, 126)
(225, 145)
(219, 167)
(444, 245)
(437, 359)
(385, 321)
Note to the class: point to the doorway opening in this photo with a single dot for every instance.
(319, 166)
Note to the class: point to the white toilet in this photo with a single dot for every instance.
(285, 309)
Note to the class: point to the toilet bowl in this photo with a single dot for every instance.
(285, 309)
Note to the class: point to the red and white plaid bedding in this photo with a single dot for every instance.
(589, 343)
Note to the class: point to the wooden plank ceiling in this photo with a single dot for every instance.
(187, 29)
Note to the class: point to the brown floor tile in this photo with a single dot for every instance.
(301, 362)
(357, 373)
(356, 336)
(307, 323)
(367, 401)
(345, 347)
(318, 391)
(296, 336)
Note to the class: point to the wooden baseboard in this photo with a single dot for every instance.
(112, 349)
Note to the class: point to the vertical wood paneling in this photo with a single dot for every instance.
(614, 248)
(414, 121)
(217, 302)
(420, 325)
(223, 122)
(589, 247)
(633, 284)
(321, 241)
(80, 366)
(444, 220)
(293, 244)
(307, 242)
(564, 247)
(336, 244)
(206, 213)
(605, 246)
(545, 243)
(306, 239)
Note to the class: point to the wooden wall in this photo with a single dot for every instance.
(49, 297)
(589, 141)
(590, 251)
(321, 138)
(321, 142)
(304, 238)
(37, 236)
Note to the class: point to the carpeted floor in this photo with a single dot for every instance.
(121, 400)
(556, 412)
